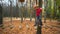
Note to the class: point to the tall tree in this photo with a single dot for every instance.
(39, 27)
(1, 18)
(30, 11)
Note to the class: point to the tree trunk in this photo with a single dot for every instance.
(30, 11)
(39, 30)
(22, 13)
(1, 17)
(39, 27)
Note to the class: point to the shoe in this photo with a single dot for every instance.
(40, 25)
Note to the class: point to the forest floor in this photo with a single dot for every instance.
(27, 27)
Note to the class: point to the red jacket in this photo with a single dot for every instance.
(38, 11)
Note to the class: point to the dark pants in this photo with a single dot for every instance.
(38, 21)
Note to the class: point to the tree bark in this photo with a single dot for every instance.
(1, 18)
(39, 27)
